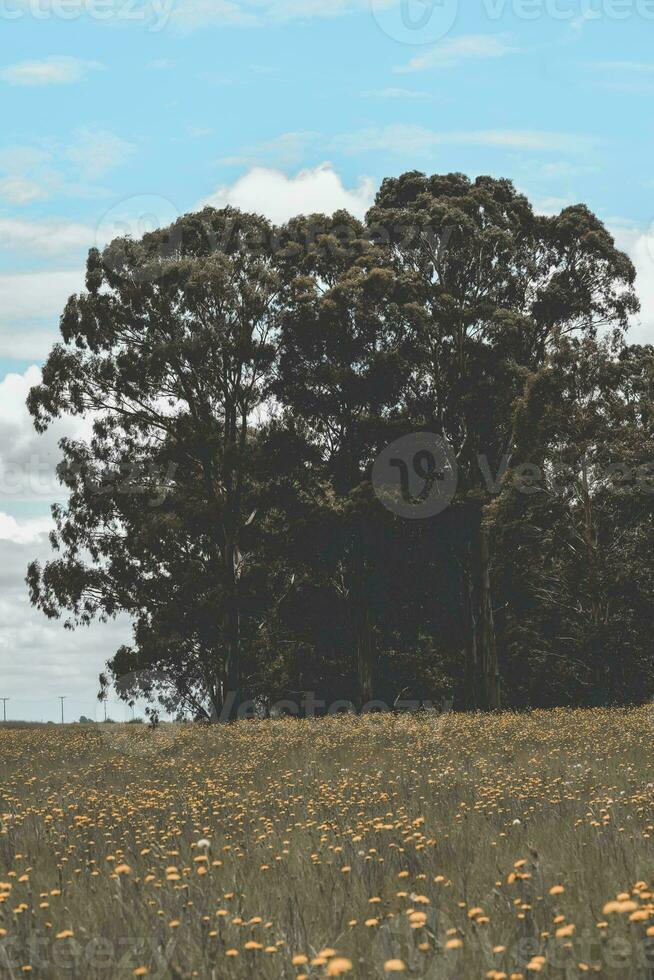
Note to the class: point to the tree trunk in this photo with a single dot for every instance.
(482, 680)
(365, 655)
(596, 605)
(471, 669)
(490, 681)
(364, 632)
(232, 450)
(231, 669)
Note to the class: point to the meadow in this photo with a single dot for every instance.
(454, 846)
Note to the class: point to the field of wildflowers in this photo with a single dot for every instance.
(461, 846)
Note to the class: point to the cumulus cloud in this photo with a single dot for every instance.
(30, 306)
(413, 139)
(96, 151)
(455, 50)
(25, 532)
(27, 459)
(21, 190)
(279, 197)
(30, 173)
(47, 238)
(284, 150)
(50, 71)
(38, 658)
(642, 253)
(551, 205)
(396, 93)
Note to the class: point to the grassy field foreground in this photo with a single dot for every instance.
(458, 846)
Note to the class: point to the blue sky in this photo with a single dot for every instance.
(122, 114)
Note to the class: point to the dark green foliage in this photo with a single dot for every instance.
(242, 380)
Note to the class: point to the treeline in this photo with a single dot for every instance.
(244, 379)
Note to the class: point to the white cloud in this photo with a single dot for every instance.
(279, 197)
(408, 139)
(199, 132)
(48, 238)
(28, 460)
(39, 659)
(453, 51)
(26, 174)
(396, 93)
(639, 245)
(96, 151)
(23, 532)
(51, 71)
(30, 306)
(643, 257)
(284, 150)
(31, 173)
(289, 149)
(161, 64)
(20, 190)
(551, 205)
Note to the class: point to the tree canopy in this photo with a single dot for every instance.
(242, 380)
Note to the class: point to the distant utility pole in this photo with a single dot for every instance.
(4, 707)
(62, 699)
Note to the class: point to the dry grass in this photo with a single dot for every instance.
(460, 847)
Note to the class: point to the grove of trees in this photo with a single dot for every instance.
(242, 379)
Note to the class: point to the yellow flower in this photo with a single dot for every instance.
(621, 906)
(338, 966)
